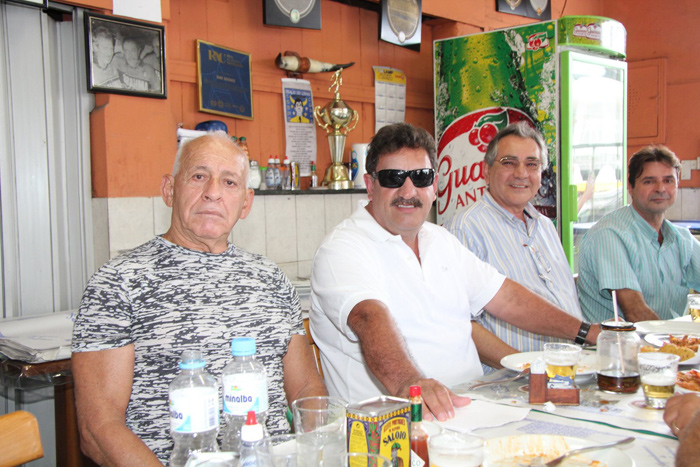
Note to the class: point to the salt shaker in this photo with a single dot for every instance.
(254, 177)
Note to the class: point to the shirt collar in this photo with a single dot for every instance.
(364, 220)
(667, 230)
(529, 210)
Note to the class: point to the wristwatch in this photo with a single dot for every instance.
(582, 333)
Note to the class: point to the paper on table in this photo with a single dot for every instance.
(481, 414)
(38, 339)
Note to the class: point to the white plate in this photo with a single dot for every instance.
(680, 389)
(517, 361)
(511, 451)
(682, 325)
(659, 339)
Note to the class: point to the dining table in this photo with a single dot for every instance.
(503, 409)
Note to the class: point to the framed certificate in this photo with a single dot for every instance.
(224, 81)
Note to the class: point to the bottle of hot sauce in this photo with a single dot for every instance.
(419, 437)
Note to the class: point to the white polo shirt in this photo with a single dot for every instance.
(432, 301)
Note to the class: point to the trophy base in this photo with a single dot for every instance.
(337, 178)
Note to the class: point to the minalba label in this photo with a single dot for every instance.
(245, 392)
(194, 410)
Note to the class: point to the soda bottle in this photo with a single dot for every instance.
(252, 435)
(245, 389)
(194, 409)
(419, 437)
(314, 177)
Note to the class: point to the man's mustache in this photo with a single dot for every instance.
(415, 202)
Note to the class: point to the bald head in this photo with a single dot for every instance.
(211, 141)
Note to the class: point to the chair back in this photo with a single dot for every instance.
(314, 347)
(19, 438)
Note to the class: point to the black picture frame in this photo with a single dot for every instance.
(537, 9)
(224, 80)
(304, 14)
(125, 56)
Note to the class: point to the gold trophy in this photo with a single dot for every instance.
(336, 117)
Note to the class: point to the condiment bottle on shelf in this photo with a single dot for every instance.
(284, 174)
(418, 435)
(254, 177)
(270, 174)
(278, 175)
(314, 176)
(244, 145)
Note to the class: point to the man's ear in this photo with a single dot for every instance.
(167, 187)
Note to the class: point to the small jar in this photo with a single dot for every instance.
(254, 177)
(616, 357)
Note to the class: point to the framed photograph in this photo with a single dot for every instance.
(225, 85)
(292, 13)
(125, 56)
(537, 9)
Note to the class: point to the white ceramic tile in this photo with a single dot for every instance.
(280, 228)
(356, 198)
(310, 225)
(249, 233)
(161, 216)
(675, 212)
(130, 223)
(304, 269)
(691, 204)
(100, 231)
(290, 269)
(338, 208)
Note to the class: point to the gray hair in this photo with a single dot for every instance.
(218, 137)
(522, 130)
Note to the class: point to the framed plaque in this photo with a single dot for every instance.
(538, 9)
(401, 22)
(224, 80)
(292, 13)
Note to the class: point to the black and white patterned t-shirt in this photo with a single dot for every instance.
(164, 299)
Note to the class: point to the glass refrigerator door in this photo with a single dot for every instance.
(593, 142)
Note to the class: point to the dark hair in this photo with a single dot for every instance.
(522, 130)
(656, 153)
(393, 138)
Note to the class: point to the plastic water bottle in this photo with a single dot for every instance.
(194, 409)
(245, 389)
(284, 174)
(270, 174)
(278, 175)
(252, 434)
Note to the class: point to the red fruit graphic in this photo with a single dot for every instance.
(487, 132)
(474, 136)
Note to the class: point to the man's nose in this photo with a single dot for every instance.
(212, 189)
(521, 171)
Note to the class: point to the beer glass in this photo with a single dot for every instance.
(694, 306)
(561, 360)
(657, 372)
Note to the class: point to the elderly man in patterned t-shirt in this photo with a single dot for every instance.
(186, 289)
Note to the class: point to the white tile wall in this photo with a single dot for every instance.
(687, 205)
(286, 229)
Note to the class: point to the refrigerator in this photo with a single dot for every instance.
(568, 79)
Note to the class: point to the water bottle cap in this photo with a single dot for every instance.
(192, 364)
(242, 346)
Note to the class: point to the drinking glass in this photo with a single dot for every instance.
(657, 372)
(561, 360)
(451, 448)
(285, 451)
(321, 422)
(694, 306)
(356, 459)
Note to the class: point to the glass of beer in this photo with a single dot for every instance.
(657, 372)
(694, 306)
(561, 360)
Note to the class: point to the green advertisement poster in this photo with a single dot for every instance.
(484, 82)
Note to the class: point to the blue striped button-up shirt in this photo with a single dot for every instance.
(622, 251)
(532, 256)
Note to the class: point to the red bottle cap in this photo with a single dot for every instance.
(414, 391)
(250, 419)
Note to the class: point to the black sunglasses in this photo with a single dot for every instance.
(395, 178)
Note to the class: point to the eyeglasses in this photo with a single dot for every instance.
(391, 178)
(532, 164)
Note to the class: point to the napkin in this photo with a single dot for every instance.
(482, 414)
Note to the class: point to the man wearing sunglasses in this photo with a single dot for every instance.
(505, 230)
(393, 296)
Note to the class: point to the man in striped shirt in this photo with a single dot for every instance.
(634, 250)
(505, 230)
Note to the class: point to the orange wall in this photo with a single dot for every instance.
(133, 138)
(673, 34)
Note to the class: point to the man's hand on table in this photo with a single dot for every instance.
(438, 401)
(680, 411)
